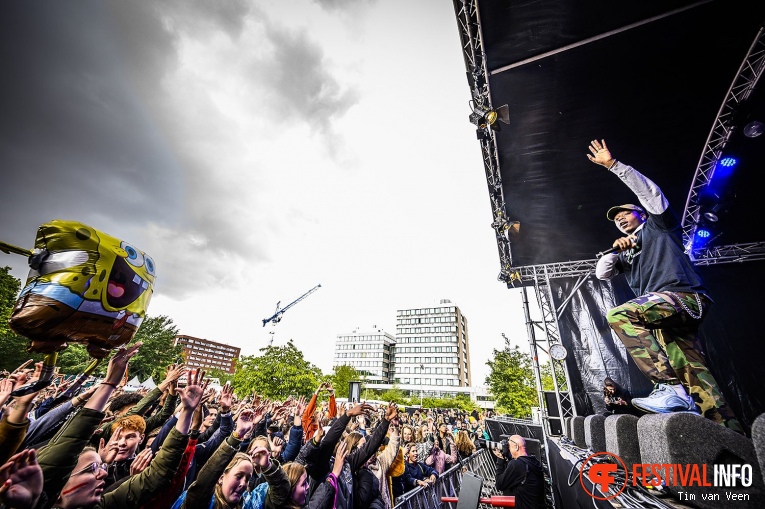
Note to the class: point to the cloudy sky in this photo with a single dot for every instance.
(256, 149)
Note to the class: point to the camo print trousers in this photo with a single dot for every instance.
(662, 339)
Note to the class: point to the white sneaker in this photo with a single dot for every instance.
(665, 400)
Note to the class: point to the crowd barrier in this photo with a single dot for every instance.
(481, 463)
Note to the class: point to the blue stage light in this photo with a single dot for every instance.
(728, 162)
(702, 233)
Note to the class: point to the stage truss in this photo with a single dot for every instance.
(468, 22)
(746, 79)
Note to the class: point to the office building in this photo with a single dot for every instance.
(432, 349)
(203, 353)
(371, 353)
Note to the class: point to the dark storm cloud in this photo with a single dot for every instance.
(73, 136)
(91, 132)
(302, 85)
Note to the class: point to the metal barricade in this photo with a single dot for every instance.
(482, 463)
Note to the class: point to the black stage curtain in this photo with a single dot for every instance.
(731, 335)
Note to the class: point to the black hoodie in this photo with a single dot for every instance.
(524, 478)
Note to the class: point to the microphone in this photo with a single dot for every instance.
(607, 251)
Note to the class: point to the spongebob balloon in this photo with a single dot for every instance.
(84, 286)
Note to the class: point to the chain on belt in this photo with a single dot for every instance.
(686, 308)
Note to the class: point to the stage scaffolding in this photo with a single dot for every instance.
(544, 333)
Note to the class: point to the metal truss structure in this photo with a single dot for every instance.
(736, 253)
(723, 128)
(472, 50)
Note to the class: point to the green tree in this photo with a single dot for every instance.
(511, 381)
(341, 377)
(461, 401)
(279, 372)
(223, 376)
(158, 350)
(13, 347)
(394, 395)
(547, 378)
(74, 360)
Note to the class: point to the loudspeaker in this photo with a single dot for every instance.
(556, 424)
(534, 447)
(595, 432)
(685, 438)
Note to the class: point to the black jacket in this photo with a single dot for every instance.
(524, 478)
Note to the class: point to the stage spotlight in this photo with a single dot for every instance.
(484, 116)
(753, 129)
(728, 162)
(706, 233)
(711, 216)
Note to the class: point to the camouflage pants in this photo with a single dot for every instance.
(662, 339)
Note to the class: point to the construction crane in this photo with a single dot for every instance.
(277, 317)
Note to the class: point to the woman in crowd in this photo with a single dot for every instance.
(465, 446)
(443, 453)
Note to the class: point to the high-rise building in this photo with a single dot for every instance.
(203, 353)
(432, 352)
(371, 353)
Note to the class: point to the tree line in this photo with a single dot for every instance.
(277, 371)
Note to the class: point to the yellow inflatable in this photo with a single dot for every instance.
(84, 286)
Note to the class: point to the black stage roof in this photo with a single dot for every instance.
(647, 76)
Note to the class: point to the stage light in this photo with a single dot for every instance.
(728, 162)
(753, 129)
(711, 216)
(483, 117)
(706, 233)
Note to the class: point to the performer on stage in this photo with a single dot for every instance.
(659, 328)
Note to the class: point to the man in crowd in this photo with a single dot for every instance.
(520, 474)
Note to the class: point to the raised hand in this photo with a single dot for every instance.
(191, 395)
(226, 398)
(141, 461)
(319, 433)
(118, 364)
(245, 422)
(6, 388)
(600, 153)
(358, 409)
(21, 480)
(108, 451)
(277, 444)
(260, 459)
(340, 454)
(300, 405)
(391, 412)
(259, 412)
(173, 373)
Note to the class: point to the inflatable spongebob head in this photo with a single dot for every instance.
(84, 286)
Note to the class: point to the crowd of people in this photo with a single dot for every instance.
(191, 446)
